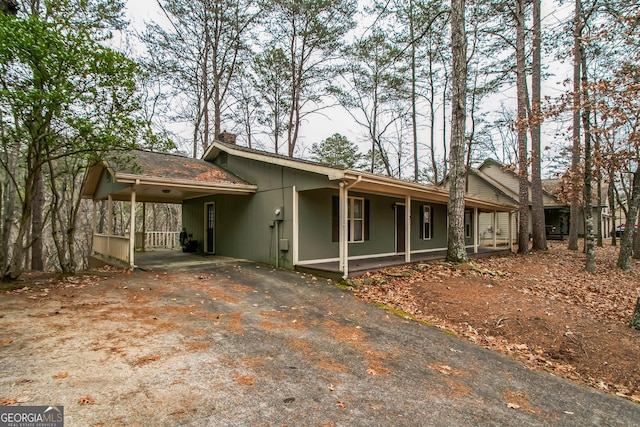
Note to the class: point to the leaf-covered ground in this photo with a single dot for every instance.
(542, 309)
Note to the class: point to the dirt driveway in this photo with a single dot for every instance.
(244, 345)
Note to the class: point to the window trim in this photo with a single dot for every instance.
(351, 219)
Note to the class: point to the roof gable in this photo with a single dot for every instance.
(159, 177)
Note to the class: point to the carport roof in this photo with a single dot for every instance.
(159, 177)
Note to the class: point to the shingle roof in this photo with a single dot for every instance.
(171, 166)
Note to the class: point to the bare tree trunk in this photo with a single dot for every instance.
(635, 319)
(537, 202)
(589, 238)
(612, 206)
(626, 242)
(414, 113)
(9, 205)
(205, 80)
(445, 169)
(432, 120)
(37, 226)
(522, 127)
(636, 239)
(575, 155)
(456, 251)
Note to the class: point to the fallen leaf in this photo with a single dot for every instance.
(60, 375)
(513, 405)
(23, 399)
(6, 341)
(341, 404)
(7, 402)
(87, 400)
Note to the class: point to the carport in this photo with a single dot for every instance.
(139, 177)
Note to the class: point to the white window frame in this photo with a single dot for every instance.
(427, 213)
(351, 219)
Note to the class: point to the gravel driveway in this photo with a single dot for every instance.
(241, 344)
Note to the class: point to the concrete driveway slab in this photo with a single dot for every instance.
(242, 344)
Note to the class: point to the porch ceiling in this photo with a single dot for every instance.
(171, 192)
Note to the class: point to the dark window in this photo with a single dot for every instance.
(426, 219)
(467, 224)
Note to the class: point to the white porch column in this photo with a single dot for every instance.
(132, 229)
(344, 243)
(407, 229)
(94, 224)
(476, 230)
(144, 226)
(495, 229)
(109, 222)
(510, 231)
(294, 239)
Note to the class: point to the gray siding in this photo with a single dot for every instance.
(439, 218)
(382, 223)
(270, 176)
(315, 225)
(245, 226)
(486, 231)
(107, 186)
(479, 188)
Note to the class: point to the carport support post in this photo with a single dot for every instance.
(344, 245)
(132, 229)
(144, 226)
(94, 225)
(407, 229)
(109, 223)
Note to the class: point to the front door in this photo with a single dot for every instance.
(400, 229)
(210, 228)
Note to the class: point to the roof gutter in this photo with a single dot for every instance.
(136, 179)
(354, 183)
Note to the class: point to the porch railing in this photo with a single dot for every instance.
(112, 246)
(158, 240)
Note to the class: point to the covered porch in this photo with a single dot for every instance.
(357, 256)
(358, 267)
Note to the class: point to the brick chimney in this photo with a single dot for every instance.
(227, 138)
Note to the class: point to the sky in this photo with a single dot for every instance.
(336, 120)
(322, 125)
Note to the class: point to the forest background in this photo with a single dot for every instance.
(78, 81)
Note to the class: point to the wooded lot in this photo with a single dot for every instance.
(422, 82)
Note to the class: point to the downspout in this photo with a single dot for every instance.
(407, 229)
(344, 244)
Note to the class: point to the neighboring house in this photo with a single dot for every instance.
(497, 182)
(288, 212)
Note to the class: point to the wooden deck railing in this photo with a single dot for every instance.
(112, 246)
(158, 240)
